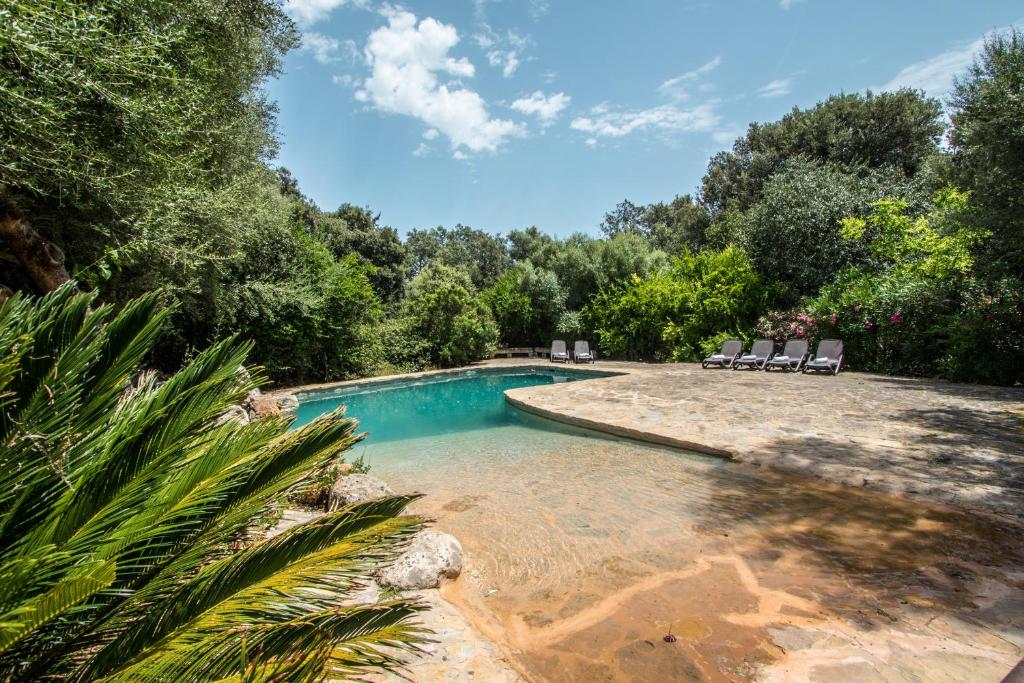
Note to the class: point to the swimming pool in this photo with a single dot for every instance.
(444, 403)
(581, 551)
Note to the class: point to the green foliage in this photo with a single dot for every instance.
(890, 129)
(673, 313)
(792, 232)
(127, 126)
(445, 312)
(988, 141)
(354, 230)
(125, 509)
(527, 303)
(932, 246)
(482, 255)
(285, 290)
(919, 310)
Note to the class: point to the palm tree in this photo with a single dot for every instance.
(124, 510)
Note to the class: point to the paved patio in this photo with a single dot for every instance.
(949, 443)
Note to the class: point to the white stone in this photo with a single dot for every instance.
(356, 488)
(431, 557)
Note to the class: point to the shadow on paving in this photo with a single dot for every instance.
(980, 392)
(884, 553)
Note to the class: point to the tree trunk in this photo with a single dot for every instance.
(42, 260)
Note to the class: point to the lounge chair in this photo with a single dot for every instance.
(828, 358)
(792, 357)
(581, 352)
(759, 354)
(731, 350)
(558, 351)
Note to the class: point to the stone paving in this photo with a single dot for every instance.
(955, 444)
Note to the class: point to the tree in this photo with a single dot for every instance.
(484, 257)
(678, 225)
(125, 127)
(988, 143)
(445, 312)
(352, 229)
(627, 217)
(126, 504)
(673, 312)
(792, 233)
(895, 129)
(527, 303)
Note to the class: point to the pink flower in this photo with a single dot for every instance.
(896, 318)
(834, 319)
(868, 325)
(799, 332)
(857, 308)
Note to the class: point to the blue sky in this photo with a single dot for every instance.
(502, 114)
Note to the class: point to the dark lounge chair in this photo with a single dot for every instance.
(829, 357)
(792, 357)
(759, 354)
(731, 350)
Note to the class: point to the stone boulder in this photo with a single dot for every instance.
(431, 557)
(355, 488)
(288, 405)
(235, 414)
(266, 407)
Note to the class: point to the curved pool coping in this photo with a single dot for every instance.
(616, 430)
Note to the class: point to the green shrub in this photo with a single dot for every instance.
(527, 303)
(444, 312)
(674, 314)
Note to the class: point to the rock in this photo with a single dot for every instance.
(266, 407)
(345, 468)
(355, 488)
(288, 405)
(235, 414)
(431, 557)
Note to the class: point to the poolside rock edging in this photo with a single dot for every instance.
(431, 557)
(349, 489)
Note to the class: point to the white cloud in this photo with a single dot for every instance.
(590, 142)
(678, 88)
(776, 88)
(935, 75)
(430, 134)
(727, 135)
(544, 107)
(421, 151)
(308, 12)
(324, 48)
(460, 155)
(604, 122)
(405, 58)
(503, 51)
(786, 4)
(344, 80)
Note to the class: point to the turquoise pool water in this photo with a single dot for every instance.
(437, 404)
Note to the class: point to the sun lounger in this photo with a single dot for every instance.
(559, 352)
(731, 350)
(759, 354)
(829, 357)
(792, 357)
(581, 352)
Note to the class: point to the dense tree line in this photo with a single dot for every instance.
(136, 161)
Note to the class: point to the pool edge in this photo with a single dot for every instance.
(615, 430)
